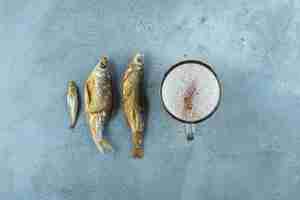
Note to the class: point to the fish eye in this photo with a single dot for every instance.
(140, 60)
(103, 64)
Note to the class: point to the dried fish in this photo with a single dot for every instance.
(72, 101)
(98, 102)
(133, 102)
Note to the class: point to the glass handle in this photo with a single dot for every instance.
(189, 131)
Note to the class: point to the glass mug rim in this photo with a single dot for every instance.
(201, 64)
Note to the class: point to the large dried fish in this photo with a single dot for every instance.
(72, 101)
(133, 102)
(98, 102)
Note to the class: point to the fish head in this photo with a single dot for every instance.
(102, 65)
(72, 86)
(137, 62)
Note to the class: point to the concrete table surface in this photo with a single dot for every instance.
(249, 150)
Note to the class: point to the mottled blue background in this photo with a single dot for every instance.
(249, 150)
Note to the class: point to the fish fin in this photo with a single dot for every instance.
(104, 146)
(125, 76)
(137, 142)
(137, 152)
(87, 94)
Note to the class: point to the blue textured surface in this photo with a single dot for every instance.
(249, 150)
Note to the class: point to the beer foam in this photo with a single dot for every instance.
(195, 83)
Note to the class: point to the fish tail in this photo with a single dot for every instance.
(137, 152)
(72, 125)
(104, 146)
(73, 122)
(137, 140)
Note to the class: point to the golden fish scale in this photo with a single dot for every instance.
(132, 101)
(98, 105)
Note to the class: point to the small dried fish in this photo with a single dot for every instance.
(98, 102)
(72, 101)
(133, 102)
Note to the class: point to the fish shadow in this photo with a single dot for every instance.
(80, 111)
(145, 91)
(115, 90)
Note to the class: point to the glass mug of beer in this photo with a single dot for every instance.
(190, 93)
